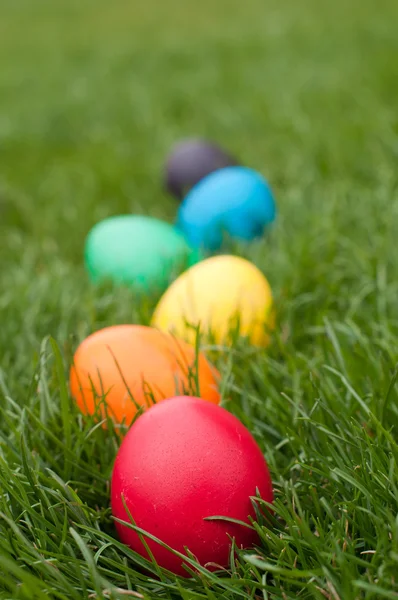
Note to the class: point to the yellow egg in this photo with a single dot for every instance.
(221, 295)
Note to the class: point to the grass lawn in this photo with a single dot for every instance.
(92, 95)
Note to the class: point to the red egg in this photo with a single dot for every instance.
(182, 461)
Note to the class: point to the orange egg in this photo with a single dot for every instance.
(119, 369)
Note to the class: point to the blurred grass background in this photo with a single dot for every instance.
(93, 94)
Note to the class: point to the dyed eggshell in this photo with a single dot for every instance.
(236, 201)
(182, 461)
(222, 294)
(190, 161)
(137, 250)
(126, 361)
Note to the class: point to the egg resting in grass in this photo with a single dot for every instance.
(222, 295)
(190, 161)
(235, 201)
(181, 462)
(138, 251)
(133, 361)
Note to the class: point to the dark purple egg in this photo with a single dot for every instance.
(190, 161)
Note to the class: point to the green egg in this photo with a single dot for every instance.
(136, 250)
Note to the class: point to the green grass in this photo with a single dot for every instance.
(92, 95)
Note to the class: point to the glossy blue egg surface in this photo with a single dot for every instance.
(236, 201)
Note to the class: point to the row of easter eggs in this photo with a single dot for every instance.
(185, 459)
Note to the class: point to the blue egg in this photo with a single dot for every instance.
(236, 201)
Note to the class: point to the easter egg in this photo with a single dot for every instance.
(191, 160)
(224, 295)
(234, 201)
(183, 461)
(136, 250)
(119, 369)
